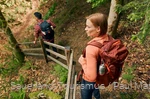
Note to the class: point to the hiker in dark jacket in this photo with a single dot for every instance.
(38, 32)
(37, 29)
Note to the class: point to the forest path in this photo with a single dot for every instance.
(27, 19)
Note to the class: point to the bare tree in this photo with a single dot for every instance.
(114, 18)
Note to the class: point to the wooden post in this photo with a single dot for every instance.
(67, 53)
(44, 50)
(72, 82)
(75, 85)
(69, 76)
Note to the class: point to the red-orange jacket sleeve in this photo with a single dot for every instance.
(90, 67)
(37, 31)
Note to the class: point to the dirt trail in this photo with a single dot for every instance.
(27, 20)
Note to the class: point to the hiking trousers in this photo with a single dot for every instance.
(88, 89)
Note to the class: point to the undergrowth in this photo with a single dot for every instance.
(61, 72)
(129, 73)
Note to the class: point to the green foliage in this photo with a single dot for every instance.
(96, 3)
(148, 96)
(10, 66)
(1, 23)
(128, 77)
(128, 95)
(50, 11)
(28, 65)
(61, 72)
(48, 94)
(20, 93)
(138, 10)
(129, 73)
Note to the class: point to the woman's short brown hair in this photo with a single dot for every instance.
(99, 19)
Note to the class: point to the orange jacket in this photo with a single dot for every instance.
(89, 63)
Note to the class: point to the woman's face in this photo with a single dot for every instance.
(91, 30)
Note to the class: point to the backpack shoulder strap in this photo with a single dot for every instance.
(95, 43)
(100, 45)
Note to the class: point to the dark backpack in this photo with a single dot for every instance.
(112, 53)
(47, 31)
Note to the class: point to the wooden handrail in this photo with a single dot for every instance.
(32, 49)
(62, 64)
(26, 43)
(71, 81)
(69, 76)
(57, 54)
(55, 45)
(33, 54)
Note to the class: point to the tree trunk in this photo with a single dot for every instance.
(14, 44)
(113, 19)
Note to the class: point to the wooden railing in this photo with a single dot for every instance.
(66, 55)
(71, 81)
